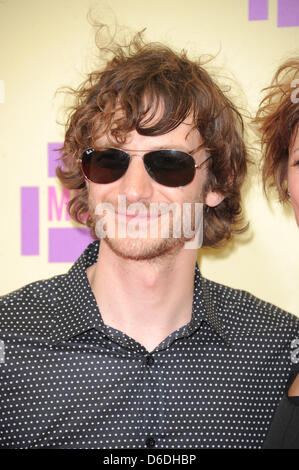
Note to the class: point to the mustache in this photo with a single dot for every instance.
(142, 208)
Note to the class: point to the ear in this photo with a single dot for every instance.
(213, 198)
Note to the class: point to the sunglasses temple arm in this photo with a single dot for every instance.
(200, 165)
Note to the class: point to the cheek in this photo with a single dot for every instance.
(293, 187)
(195, 191)
(293, 182)
(189, 193)
(99, 192)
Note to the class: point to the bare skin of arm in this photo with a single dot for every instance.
(294, 388)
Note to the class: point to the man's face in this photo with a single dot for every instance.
(137, 186)
(293, 174)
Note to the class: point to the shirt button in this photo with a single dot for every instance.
(150, 442)
(150, 360)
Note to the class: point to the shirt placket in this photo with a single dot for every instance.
(152, 402)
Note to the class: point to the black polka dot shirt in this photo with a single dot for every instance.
(69, 381)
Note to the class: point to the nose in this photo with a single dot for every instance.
(136, 184)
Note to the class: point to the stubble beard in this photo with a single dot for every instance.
(147, 248)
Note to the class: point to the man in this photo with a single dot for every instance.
(133, 348)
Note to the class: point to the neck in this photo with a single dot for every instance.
(147, 300)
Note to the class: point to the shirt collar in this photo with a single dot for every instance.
(77, 310)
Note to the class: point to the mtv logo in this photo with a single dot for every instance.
(65, 244)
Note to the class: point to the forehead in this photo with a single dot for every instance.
(185, 135)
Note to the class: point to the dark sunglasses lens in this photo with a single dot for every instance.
(104, 166)
(170, 167)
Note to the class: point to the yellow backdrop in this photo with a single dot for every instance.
(47, 44)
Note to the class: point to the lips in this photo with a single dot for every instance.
(138, 216)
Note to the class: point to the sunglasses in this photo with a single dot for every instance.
(171, 168)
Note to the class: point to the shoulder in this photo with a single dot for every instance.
(29, 308)
(240, 309)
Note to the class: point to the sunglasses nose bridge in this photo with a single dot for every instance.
(136, 183)
(136, 153)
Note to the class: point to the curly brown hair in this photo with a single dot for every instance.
(276, 120)
(155, 71)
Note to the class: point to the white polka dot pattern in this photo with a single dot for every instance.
(69, 381)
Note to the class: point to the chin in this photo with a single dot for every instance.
(142, 250)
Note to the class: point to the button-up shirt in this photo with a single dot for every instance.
(67, 380)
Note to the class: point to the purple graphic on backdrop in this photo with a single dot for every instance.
(30, 220)
(57, 209)
(257, 10)
(67, 244)
(64, 244)
(287, 13)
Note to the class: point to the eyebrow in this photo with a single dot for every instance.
(158, 147)
(163, 147)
